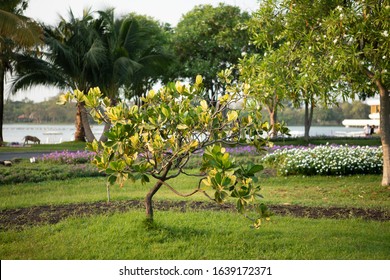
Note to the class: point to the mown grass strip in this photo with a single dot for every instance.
(198, 235)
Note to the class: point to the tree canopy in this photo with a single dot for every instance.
(16, 33)
(208, 40)
(317, 51)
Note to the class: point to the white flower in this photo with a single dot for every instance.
(385, 33)
(335, 41)
(384, 57)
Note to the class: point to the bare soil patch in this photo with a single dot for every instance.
(39, 215)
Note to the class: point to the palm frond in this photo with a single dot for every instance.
(21, 30)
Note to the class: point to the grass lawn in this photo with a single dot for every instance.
(198, 235)
(351, 191)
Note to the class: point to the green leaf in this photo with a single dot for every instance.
(165, 112)
(182, 126)
(255, 168)
(204, 105)
(232, 116)
(112, 179)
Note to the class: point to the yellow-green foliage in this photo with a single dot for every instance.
(173, 124)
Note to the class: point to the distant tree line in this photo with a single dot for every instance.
(322, 116)
(43, 112)
(49, 112)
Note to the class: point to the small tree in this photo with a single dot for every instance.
(158, 138)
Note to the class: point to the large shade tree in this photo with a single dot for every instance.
(17, 33)
(357, 47)
(208, 40)
(289, 64)
(336, 48)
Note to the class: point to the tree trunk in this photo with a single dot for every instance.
(149, 197)
(103, 137)
(272, 107)
(308, 119)
(79, 135)
(273, 118)
(2, 74)
(384, 126)
(87, 127)
(385, 131)
(149, 200)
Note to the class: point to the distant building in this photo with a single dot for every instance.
(373, 118)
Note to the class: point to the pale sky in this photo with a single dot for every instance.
(169, 11)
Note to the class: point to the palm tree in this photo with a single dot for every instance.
(16, 33)
(135, 54)
(72, 59)
(104, 52)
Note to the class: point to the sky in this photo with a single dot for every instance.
(168, 11)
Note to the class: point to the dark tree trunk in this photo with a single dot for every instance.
(308, 119)
(149, 201)
(149, 197)
(2, 74)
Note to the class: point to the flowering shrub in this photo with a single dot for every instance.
(68, 157)
(326, 160)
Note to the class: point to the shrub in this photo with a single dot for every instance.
(38, 172)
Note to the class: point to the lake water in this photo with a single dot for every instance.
(47, 133)
(52, 133)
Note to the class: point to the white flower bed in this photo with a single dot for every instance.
(326, 160)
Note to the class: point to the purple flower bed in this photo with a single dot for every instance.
(68, 157)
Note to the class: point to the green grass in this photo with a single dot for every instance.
(364, 191)
(200, 234)
(196, 236)
(352, 191)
